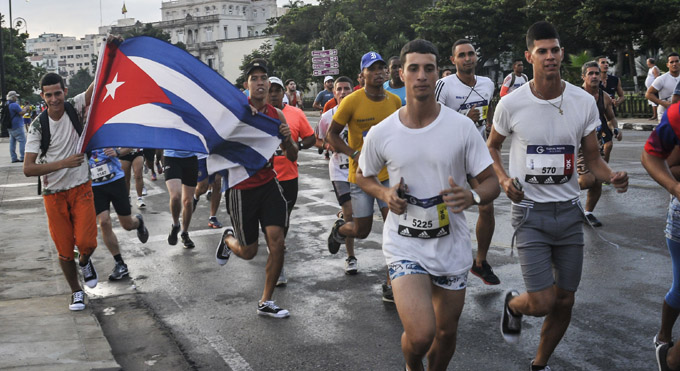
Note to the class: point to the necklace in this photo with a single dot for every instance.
(559, 108)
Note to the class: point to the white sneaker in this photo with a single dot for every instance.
(144, 192)
(282, 278)
(140, 203)
(77, 301)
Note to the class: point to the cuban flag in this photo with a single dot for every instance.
(150, 94)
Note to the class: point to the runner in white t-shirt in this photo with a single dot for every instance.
(426, 242)
(549, 120)
(663, 87)
(652, 74)
(338, 167)
(515, 79)
(470, 95)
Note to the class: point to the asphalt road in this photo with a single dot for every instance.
(339, 322)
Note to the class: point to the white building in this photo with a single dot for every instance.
(68, 53)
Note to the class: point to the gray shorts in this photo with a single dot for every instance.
(362, 202)
(549, 244)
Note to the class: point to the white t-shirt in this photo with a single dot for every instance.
(665, 84)
(452, 93)
(650, 76)
(425, 158)
(338, 166)
(63, 143)
(519, 81)
(545, 143)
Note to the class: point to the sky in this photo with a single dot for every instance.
(80, 17)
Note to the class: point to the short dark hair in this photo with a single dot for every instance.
(541, 30)
(51, 78)
(597, 59)
(673, 54)
(394, 57)
(288, 82)
(651, 60)
(343, 79)
(589, 64)
(517, 60)
(418, 46)
(459, 42)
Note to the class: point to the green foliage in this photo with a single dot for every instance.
(20, 75)
(573, 68)
(264, 51)
(79, 82)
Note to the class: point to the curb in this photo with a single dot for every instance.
(637, 126)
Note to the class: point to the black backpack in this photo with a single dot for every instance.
(46, 136)
(5, 115)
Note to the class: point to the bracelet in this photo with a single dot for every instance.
(117, 153)
(354, 154)
(616, 131)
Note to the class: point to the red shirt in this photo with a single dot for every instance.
(266, 174)
(299, 128)
(330, 104)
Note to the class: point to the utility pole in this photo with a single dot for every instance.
(3, 132)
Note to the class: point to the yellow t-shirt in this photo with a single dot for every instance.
(359, 114)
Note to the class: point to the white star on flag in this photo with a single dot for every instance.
(111, 88)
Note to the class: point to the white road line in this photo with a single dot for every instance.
(17, 185)
(30, 198)
(228, 354)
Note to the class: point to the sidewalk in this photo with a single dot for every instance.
(37, 330)
(639, 124)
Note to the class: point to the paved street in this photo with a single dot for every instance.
(338, 322)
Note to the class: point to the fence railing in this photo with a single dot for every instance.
(635, 105)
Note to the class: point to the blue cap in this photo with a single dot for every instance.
(369, 58)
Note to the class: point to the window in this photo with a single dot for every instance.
(78, 56)
(238, 31)
(231, 9)
(254, 13)
(180, 36)
(208, 34)
(69, 48)
(190, 37)
(224, 9)
(78, 47)
(211, 62)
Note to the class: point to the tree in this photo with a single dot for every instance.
(264, 51)
(20, 75)
(79, 82)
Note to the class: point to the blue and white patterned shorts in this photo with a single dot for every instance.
(406, 267)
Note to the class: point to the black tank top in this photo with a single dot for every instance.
(612, 84)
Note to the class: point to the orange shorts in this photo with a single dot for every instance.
(72, 220)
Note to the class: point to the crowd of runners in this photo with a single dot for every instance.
(422, 145)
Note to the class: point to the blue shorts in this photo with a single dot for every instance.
(406, 267)
(203, 171)
(362, 202)
(672, 230)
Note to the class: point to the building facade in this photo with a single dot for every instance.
(64, 55)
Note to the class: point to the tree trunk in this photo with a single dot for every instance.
(620, 57)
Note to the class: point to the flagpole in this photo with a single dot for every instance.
(101, 22)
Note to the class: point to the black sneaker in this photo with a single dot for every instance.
(142, 232)
(485, 273)
(89, 274)
(172, 237)
(511, 324)
(593, 220)
(268, 308)
(119, 271)
(661, 353)
(351, 265)
(223, 251)
(188, 243)
(77, 301)
(334, 238)
(532, 367)
(387, 295)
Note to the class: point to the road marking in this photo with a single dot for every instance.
(17, 185)
(30, 198)
(228, 354)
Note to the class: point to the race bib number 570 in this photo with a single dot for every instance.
(549, 164)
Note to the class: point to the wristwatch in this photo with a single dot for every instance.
(475, 197)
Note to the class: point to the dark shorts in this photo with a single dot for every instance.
(203, 171)
(342, 191)
(112, 193)
(605, 134)
(149, 154)
(290, 192)
(184, 168)
(251, 208)
(131, 156)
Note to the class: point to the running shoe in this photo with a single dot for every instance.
(545, 368)
(214, 223)
(282, 278)
(334, 238)
(188, 243)
(511, 324)
(159, 168)
(208, 195)
(77, 301)
(268, 308)
(146, 169)
(172, 237)
(223, 251)
(351, 265)
(593, 220)
(485, 273)
(140, 203)
(661, 353)
(144, 191)
(387, 295)
(658, 342)
(89, 274)
(153, 177)
(196, 201)
(119, 271)
(142, 232)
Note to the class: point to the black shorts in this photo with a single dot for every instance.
(606, 134)
(112, 193)
(131, 156)
(149, 154)
(251, 208)
(290, 191)
(184, 168)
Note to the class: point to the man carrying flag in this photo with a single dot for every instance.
(259, 199)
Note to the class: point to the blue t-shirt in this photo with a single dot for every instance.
(17, 119)
(178, 154)
(401, 92)
(104, 169)
(323, 97)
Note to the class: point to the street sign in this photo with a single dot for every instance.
(324, 53)
(333, 58)
(321, 66)
(332, 71)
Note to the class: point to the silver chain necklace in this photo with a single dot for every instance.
(559, 108)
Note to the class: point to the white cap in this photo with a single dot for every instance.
(328, 78)
(276, 80)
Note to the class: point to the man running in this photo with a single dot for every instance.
(590, 73)
(211, 184)
(259, 200)
(546, 211)
(470, 95)
(181, 174)
(324, 95)
(515, 79)
(108, 186)
(338, 168)
(66, 186)
(662, 88)
(428, 149)
(292, 96)
(611, 85)
(359, 112)
(394, 84)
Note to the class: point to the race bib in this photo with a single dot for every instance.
(101, 173)
(549, 164)
(343, 161)
(424, 218)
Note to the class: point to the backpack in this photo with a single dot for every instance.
(46, 136)
(512, 82)
(5, 115)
